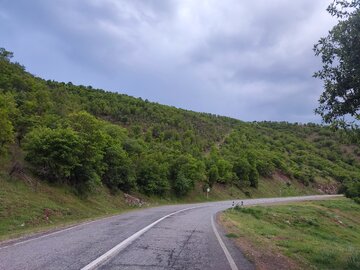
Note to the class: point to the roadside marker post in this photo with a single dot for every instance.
(207, 193)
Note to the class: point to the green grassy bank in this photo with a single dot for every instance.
(25, 208)
(306, 235)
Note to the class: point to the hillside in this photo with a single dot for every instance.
(83, 139)
(172, 147)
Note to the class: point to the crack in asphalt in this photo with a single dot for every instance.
(182, 248)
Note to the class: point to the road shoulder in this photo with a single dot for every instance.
(243, 261)
(260, 258)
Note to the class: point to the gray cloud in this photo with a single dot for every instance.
(251, 60)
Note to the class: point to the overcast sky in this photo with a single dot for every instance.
(251, 60)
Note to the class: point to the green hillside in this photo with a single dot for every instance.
(69, 152)
(84, 137)
(88, 142)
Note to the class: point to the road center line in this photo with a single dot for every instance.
(226, 251)
(112, 252)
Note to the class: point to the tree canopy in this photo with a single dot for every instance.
(340, 55)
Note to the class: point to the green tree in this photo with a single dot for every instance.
(6, 55)
(119, 173)
(213, 175)
(94, 139)
(242, 169)
(352, 190)
(253, 177)
(253, 172)
(134, 146)
(182, 184)
(73, 152)
(152, 176)
(8, 115)
(340, 55)
(225, 171)
(6, 130)
(55, 153)
(184, 172)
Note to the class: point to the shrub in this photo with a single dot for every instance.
(119, 172)
(184, 172)
(55, 153)
(152, 176)
(352, 190)
(242, 170)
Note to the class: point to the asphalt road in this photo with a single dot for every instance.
(184, 240)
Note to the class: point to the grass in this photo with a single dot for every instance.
(231, 235)
(313, 235)
(275, 188)
(24, 210)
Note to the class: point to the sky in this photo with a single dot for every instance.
(250, 60)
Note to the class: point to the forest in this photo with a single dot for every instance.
(83, 137)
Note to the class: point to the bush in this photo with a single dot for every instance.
(254, 177)
(119, 173)
(182, 184)
(54, 152)
(352, 190)
(264, 167)
(224, 170)
(73, 154)
(213, 175)
(242, 170)
(152, 176)
(185, 171)
(8, 113)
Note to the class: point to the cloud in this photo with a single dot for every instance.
(251, 60)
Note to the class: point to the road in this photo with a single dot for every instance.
(184, 238)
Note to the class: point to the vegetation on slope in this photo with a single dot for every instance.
(24, 209)
(34, 206)
(83, 138)
(306, 235)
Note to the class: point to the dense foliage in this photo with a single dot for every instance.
(340, 54)
(84, 137)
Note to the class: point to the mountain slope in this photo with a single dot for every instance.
(83, 137)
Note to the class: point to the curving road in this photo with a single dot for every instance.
(167, 237)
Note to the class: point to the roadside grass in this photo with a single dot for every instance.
(314, 235)
(24, 210)
(269, 187)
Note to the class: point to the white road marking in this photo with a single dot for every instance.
(106, 256)
(226, 251)
(248, 202)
